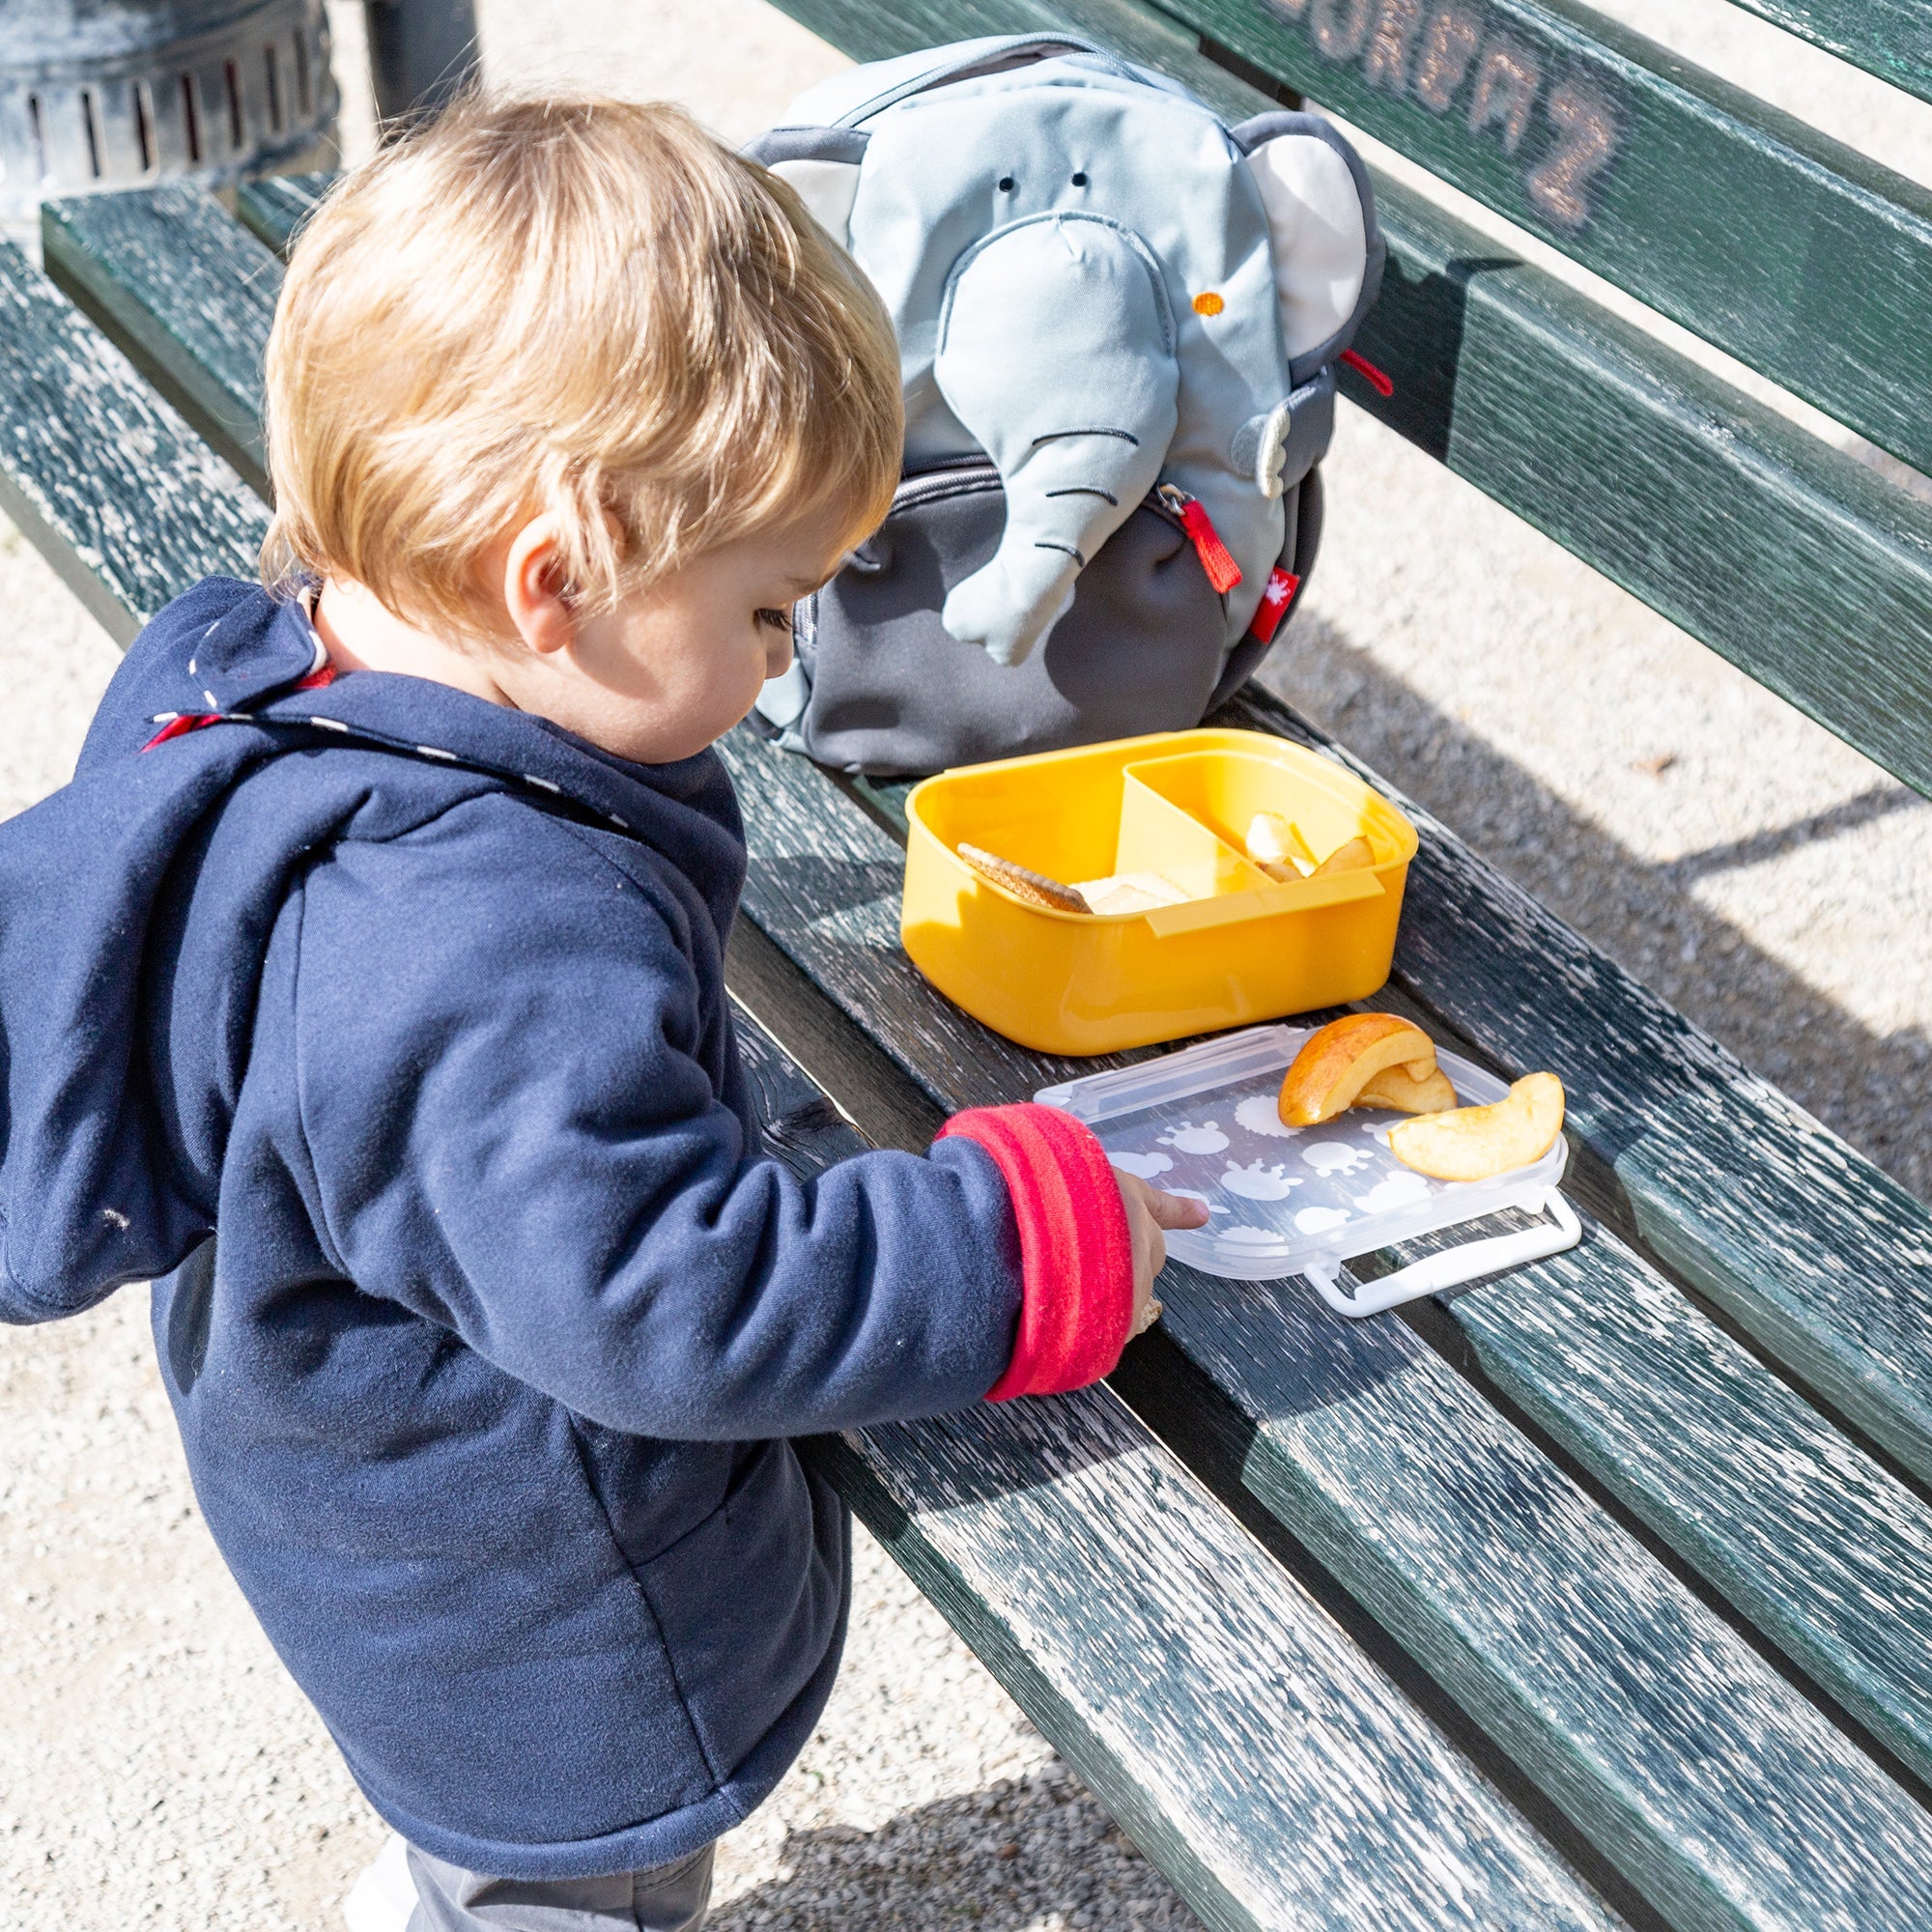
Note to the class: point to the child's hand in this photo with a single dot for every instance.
(1149, 1211)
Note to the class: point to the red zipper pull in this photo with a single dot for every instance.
(1379, 380)
(1222, 572)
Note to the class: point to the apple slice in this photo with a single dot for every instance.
(1336, 1061)
(1478, 1143)
(1348, 857)
(1396, 1089)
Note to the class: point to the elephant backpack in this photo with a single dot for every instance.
(1119, 321)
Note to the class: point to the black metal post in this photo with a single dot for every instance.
(421, 54)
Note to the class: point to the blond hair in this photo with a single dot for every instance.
(585, 307)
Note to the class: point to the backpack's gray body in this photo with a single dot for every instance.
(1098, 288)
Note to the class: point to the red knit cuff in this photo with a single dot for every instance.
(1076, 1259)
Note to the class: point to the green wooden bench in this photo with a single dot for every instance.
(1597, 1594)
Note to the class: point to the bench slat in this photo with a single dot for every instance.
(1271, 1790)
(1243, 1739)
(82, 441)
(1821, 1549)
(1718, 1791)
(1891, 39)
(275, 207)
(119, 257)
(1786, 556)
(1793, 252)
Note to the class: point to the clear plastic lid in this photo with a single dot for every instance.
(1282, 1199)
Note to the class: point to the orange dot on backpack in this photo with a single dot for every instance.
(1208, 303)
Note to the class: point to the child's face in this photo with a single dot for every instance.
(667, 672)
(673, 667)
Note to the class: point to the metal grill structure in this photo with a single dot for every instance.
(108, 94)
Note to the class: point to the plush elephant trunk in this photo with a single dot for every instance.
(1056, 352)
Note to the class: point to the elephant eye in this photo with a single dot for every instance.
(1006, 183)
(1080, 180)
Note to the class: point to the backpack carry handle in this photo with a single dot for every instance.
(1017, 51)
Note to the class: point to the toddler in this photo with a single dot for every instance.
(365, 992)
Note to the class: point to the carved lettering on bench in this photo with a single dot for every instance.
(1442, 51)
(1448, 47)
(1588, 139)
(1340, 26)
(1508, 80)
(1386, 63)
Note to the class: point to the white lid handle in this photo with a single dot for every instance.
(1452, 1267)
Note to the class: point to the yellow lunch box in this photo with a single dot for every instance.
(1239, 947)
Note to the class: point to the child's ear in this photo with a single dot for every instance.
(536, 588)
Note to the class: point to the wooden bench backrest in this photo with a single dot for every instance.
(1782, 247)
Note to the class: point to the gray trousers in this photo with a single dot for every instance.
(663, 1899)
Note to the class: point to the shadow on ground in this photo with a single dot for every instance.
(1035, 1854)
(1867, 1086)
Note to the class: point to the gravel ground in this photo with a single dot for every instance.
(157, 1769)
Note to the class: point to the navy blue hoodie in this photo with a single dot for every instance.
(385, 1029)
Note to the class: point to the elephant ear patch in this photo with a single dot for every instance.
(1318, 236)
(822, 165)
(828, 190)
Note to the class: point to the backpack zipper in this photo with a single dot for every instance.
(1167, 500)
(931, 486)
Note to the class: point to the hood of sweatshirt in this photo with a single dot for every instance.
(108, 1165)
